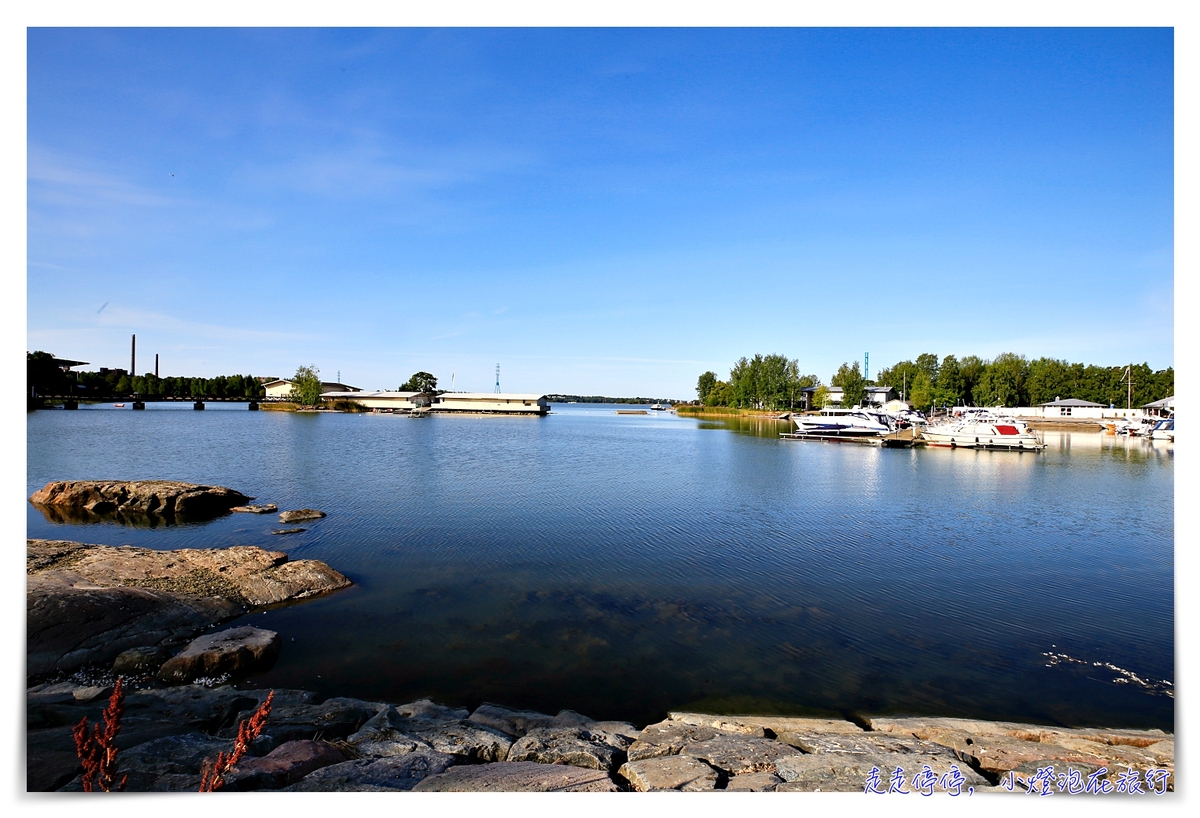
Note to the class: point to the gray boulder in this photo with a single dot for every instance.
(576, 746)
(668, 738)
(140, 661)
(424, 725)
(233, 652)
(515, 723)
(397, 773)
(286, 764)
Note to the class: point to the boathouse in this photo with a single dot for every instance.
(499, 403)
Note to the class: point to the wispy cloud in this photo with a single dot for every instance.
(72, 181)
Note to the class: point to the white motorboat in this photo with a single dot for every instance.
(835, 422)
(1164, 430)
(979, 430)
(658, 407)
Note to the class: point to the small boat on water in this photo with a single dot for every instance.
(658, 407)
(835, 422)
(118, 406)
(983, 430)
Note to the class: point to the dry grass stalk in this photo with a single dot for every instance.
(212, 776)
(97, 749)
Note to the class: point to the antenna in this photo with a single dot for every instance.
(1129, 380)
(133, 356)
(866, 366)
(451, 380)
(497, 378)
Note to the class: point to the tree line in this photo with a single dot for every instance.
(771, 382)
(774, 382)
(45, 378)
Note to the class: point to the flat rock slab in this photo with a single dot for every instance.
(666, 773)
(267, 508)
(396, 774)
(123, 500)
(232, 652)
(576, 746)
(754, 782)
(284, 531)
(863, 743)
(519, 776)
(766, 725)
(300, 515)
(286, 764)
(86, 604)
(738, 754)
(850, 772)
(1026, 732)
(998, 747)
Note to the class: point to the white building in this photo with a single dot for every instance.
(1063, 408)
(500, 403)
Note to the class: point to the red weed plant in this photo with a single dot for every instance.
(96, 747)
(213, 774)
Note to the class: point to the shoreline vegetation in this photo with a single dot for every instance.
(774, 382)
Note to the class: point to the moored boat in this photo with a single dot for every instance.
(834, 422)
(982, 431)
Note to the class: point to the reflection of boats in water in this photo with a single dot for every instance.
(833, 422)
(982, 430)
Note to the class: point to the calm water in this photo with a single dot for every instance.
(622, 566)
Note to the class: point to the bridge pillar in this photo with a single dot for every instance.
(253, 407)
(70, 404)
(137, 404)
(198, 404)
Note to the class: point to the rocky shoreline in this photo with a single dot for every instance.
(350, 745)
(98, 612)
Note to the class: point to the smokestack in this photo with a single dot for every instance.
(133, 356)
(156, 364)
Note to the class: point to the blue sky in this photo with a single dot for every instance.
(598, 211)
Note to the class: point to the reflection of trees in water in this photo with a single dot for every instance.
(754, 426)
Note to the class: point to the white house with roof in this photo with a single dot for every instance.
(1064, 408)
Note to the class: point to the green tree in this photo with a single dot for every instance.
(949, 382)
(420, 382)
(820, 397)
(854, 385)
(306, 386)
(970, 370)
(705, 384)
(1003, 382)
(922, 392)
